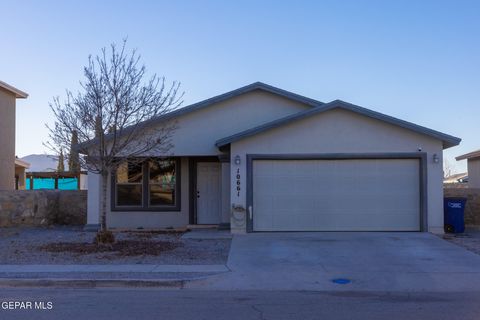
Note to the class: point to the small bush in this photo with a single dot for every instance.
(104, 237)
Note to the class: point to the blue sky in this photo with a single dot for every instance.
(416, 60)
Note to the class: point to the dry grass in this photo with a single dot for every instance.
(122, 248)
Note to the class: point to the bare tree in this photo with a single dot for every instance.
(447, 168)
(112, 114)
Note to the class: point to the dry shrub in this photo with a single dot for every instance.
(121, 248)
(104, 237)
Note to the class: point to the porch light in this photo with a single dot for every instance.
(237, 160)
(435, 158)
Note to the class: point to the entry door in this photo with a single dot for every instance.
(208, 192)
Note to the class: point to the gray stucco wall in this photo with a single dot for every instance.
(198, 131)
(340, 131)
(156, 219)
(196, 135)
(473, 173)
(7, 140)
(225, 209)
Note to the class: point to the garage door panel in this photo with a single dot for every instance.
(304, 185)
(265, 204)
(348, 184)
(281, 185)
(365, 222)
(263, 223)
(326, 170)
(303, 168)
(264, 183)
(292, 204)
(326, 206)
(403, 201)
(302, 221)
(264, 168)
(324, 195)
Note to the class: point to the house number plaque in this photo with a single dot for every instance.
(238, 182)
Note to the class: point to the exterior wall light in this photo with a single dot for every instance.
(237, 160)
(436, 159)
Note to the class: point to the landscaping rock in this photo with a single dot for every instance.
(71, 245)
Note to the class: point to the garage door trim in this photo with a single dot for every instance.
(421, 156)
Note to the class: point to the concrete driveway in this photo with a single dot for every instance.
(374, 261)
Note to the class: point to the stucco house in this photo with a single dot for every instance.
(456, 178)
(20, 173)
(473, 167)
(260, 158)
(8, 97)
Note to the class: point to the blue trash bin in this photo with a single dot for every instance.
(453, 211)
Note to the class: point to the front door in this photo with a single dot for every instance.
(208, 192)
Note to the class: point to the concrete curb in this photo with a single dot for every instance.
(127, 268)
(95, 283)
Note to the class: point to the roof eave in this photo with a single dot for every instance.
(448, 140)
(22, 163)
(19, 94)
(470, 155)
(449, 144)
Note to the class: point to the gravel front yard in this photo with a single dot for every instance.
(469, 240)
(71, 245)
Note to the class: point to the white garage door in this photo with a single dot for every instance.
(336, 195)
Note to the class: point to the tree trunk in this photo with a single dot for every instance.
(103, 222)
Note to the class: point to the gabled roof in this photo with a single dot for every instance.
(18, 93)
(470, 155)
(222, 97)
(448, 140)
(237, 92)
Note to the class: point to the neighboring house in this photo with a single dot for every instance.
(473, 168)
(43, 162)
(261, 158)
(8, 97)
(456, 178)
(20, 175)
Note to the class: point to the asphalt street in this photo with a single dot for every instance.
(140, 304)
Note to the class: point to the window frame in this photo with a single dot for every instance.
(146, 191)
(148, 198)
(142, 189)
